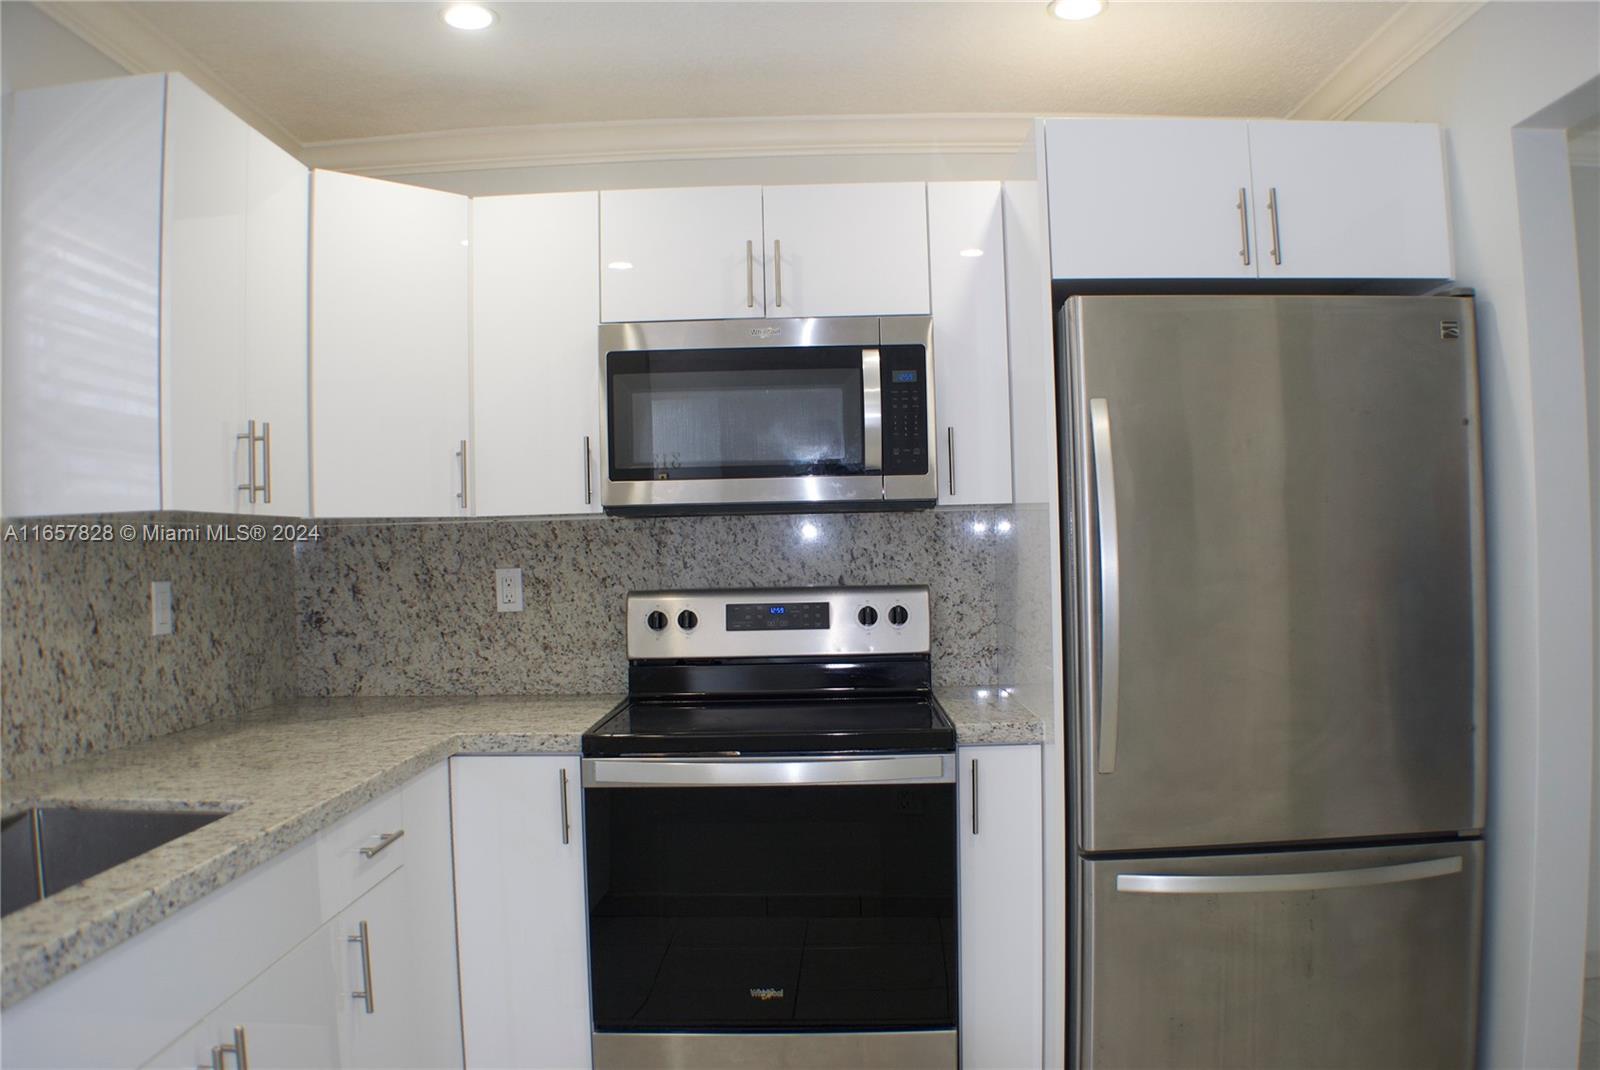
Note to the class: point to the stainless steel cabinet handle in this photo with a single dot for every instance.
(1272, 214)
(250, 438)
(950, 459)
(240, 1053)
(872, 410)
(1175, 884)
(588, 484)
(974, 796)
(763, 772)
(566, 821)
(383, 844)
(266, 462)
(1244, 231)
(462, 454)
(749, 274)
(1105, 492)
(364, 938)
(777, 269)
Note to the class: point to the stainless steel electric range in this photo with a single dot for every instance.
(771, 836)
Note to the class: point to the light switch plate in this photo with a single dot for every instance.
(508, 590)
(160, 607)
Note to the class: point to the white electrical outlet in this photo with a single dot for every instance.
(508, 590)
(160, 607)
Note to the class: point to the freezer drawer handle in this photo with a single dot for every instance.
(758, 772)
(1174, 884)
(1106, 682)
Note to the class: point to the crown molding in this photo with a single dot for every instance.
(556, 144)
(120, 32)
(1397, 44)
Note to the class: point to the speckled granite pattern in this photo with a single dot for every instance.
(990, 715)
(395, 609)
(285, 773)
(80, 672)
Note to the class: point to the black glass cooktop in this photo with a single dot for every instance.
(771, 726)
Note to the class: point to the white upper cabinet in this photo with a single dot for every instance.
(155, 304)
(846, 250)
(681, 254)
(535, 369)
(1001, 849)
(389, 336)
(1350, 200)
(522, 920)
(1149, 199)
(967, 270)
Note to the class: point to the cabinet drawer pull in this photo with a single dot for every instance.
(364, 938)
(777, 270)
(266, 462)
(250, 438)
(1272, 214)
(1244, 231)
(749, 274)
(566, 822)
(950, 458)
(384, 841)
(462, 455)
(588, 484)
(240, 1053)
(974, 796)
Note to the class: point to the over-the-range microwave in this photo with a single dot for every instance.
(767, 415)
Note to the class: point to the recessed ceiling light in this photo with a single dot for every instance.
(971, 252)
(620, 265)
(468, 16)
(1076, 10)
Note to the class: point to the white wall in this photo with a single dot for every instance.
(37, 51)
(1586, 213)
(1506, 63)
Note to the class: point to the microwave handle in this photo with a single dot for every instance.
(872, 409)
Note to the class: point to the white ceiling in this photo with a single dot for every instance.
(332, 70)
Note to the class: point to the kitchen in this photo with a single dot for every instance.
(470, 528)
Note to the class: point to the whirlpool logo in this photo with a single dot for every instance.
(764, 332)
(766, 995)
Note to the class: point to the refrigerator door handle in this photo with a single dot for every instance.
(1107, 677)
(1176, 884)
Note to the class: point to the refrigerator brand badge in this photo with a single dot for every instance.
(1449, 329)
(763, 332)
(766, 995)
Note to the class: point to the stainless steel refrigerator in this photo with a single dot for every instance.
(1275, 608)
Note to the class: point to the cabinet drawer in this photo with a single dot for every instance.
(360, 851)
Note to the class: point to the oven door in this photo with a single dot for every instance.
(785, 896)
(781, 412)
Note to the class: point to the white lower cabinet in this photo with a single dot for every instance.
(521, 916)
(379, 1026)
(1002, 907)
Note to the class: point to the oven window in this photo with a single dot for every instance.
(782, 909)
(735, 413)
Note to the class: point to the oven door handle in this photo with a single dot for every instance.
(766, 772)
(872, 410)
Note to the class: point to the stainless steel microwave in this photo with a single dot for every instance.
(767, 415)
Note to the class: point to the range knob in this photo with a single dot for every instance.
(657, 620)
(687, 620)
(898, 615)
(868, 616)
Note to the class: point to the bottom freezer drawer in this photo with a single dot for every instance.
(1318, 958)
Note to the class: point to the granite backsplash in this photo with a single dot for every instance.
(79, 670)
(407, 608)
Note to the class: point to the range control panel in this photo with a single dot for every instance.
(794, 622)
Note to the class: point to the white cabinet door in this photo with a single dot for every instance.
(847, 250)
(1351, 200)
(389, 328)
(431, 931)
(535, 369)
(972, 395)
(1002, 908)
(680, 254)
(277, 221)
(521, 914)
(287, 1017)
(377, 978)
(1149, 199)
(203, 253)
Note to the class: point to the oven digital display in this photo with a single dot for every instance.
(777, 616)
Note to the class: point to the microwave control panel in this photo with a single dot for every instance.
(905, 410)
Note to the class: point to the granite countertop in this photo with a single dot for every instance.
(285, 773)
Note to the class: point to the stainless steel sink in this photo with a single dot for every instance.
(45, 850)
